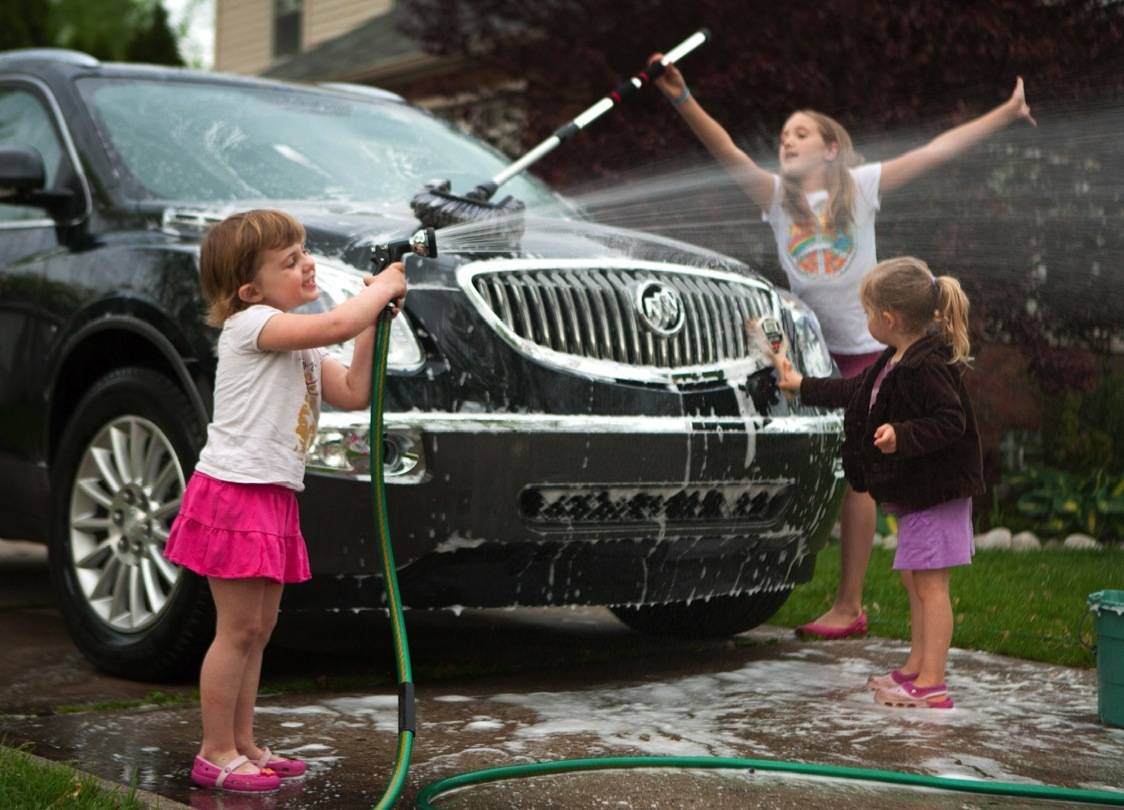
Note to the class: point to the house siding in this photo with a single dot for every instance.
(244, 28)
(243, 35)
(324, 19)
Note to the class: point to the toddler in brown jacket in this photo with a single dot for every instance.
(910, 439)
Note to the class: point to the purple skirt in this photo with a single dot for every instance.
(937, 537)
(237, 531)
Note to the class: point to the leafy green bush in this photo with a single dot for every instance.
(1059, 502)
(1079, 484)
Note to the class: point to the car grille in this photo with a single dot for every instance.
(591, 312)
(758, 502)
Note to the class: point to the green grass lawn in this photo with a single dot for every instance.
(27, 783)
(1026, 605)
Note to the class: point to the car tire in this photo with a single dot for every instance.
(116, 483)
(717, 617)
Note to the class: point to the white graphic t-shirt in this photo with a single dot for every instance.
(825, 267)
(267, 406)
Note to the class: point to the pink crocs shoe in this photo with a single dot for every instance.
(209, 775)
(889, 680)
(908, 696)
(285, 768)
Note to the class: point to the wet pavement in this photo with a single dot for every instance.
(509, 687)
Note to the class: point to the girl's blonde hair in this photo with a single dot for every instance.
(905, 286)
(231, 256)
(840, 184)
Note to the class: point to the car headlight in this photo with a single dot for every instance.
(811, 348)
(337, 283)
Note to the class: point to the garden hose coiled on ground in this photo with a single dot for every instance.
(406, 713)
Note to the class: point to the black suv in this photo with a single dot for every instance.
(580, 417)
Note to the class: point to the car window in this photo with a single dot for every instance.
(193, 141)
(26, 123)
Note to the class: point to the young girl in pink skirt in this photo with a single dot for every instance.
(238, 525)
(910, 440)
(822, 208)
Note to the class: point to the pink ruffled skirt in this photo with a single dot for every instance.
(237, 531)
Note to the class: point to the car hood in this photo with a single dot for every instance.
(349, 234)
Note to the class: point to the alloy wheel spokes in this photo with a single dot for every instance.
(127, 491)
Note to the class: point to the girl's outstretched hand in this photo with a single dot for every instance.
(671, 83)
(1018, 101)
(885, 439)
(788, 378)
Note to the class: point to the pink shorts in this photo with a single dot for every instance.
(852, 365)
(237, 531)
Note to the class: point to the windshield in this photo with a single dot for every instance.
(209, 141)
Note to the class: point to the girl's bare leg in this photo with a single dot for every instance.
(936, 608)
(238, 617)
(857, 536)
(912, 664)
(251, 676)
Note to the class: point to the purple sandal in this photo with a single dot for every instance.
(209, 775)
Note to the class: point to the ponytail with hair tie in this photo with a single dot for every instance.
(952, 315)
(906, 285)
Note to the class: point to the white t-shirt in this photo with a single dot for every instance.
(267, 405)
(825, 269)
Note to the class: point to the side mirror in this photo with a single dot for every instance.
(21, 171)
(22, 180)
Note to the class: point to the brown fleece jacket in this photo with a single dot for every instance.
(938, 455)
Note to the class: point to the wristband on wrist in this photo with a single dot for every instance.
(682, 97)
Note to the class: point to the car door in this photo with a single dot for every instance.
(29, 236)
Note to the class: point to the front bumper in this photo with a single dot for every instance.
(537, 509)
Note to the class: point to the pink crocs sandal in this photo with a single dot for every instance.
(889, 680)
(908, 696)
(209, 775)
(812, 630)
(285, 768)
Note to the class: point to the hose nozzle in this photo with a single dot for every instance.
(423, 242)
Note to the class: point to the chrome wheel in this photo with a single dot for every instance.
(126, 493)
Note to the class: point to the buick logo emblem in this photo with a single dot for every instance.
(660, 308)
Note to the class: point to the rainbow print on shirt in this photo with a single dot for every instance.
(816, 251)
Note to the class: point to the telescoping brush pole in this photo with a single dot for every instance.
(438, 207)
(615, 97)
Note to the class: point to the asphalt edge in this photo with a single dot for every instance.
(151, 800)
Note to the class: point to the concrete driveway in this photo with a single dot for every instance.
(502, 687)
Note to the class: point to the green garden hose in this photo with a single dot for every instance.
(406, 725)
(1044, 792)
(406, 722)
